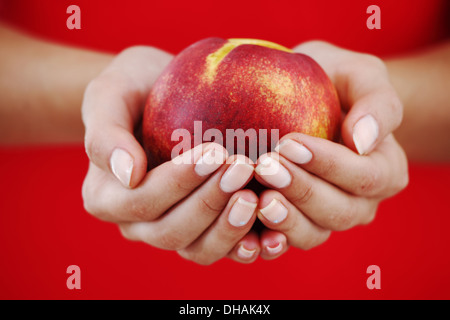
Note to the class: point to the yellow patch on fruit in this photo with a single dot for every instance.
(320, 129)
(214, 59)
(277, 87)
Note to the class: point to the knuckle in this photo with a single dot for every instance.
(368, 61)
(204, 261)
(170, 240)
(130, 50)
(375, 62)
(403, 182)
(133, 50)
(379, 63)
(125, 233)
(370, 182)
(94, 86)
(139, 210)
(88, 144)
(312, 44)
(399, 184)
(370, 215)
(341, 220)
(91, 88)
(303, 196)
(396, 108)
(318, 44)
(314, 241)
(198, 257)
(90, 205)
(402, 177)
(90, 195)
(329, 167)
(91, 145)
(176, 183)
(94, 210)
(207, 206)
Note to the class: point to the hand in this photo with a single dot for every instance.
(322, 186)
(194, 207)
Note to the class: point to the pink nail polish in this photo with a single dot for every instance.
(273, 172)
(365, 132)
(245, 253)
(210, 162)
(294, 151)
(236, 176)
(274, 211)
(121, 164)
(274, 250)
(241, 212)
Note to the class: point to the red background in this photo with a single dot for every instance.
(44, 228)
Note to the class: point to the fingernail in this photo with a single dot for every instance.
(275, 211)
(273, 172)
(210, 162)
(241, 212)
(274, 250)
(245, 253)
(236, 176)
(365, 132)
(122, 166)
(294, 151)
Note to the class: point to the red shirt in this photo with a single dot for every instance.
(173, 25)
(43, 226)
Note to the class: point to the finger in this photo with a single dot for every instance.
(113, 105)
(247, 249)
(161, 188)
(325, 204)
(280, 215)
(221, 237)
(273, 244)
(375, 113)
(111, 108)
(380, 174)
(189, 218)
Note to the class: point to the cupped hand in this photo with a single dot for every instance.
(318, 186)
(192, 204)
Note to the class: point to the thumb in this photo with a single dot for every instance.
(109, 140)
(371, 118)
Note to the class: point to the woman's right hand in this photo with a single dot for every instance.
(195, 207)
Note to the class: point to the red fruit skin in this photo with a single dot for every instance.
(252, 87)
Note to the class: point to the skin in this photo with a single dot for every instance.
(427, 72)
(41, 89)
(49, 112)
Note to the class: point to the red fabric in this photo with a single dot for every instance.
(44, 228)
(173, 25)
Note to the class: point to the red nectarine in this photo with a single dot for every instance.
(253, 85)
